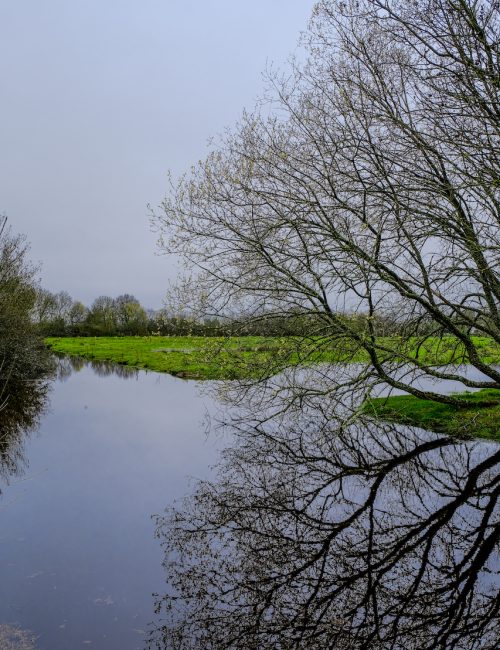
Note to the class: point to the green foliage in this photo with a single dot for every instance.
(22, 354)
(471, 420)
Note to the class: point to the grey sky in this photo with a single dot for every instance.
(99, 99)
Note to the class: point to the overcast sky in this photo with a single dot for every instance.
(99, 99)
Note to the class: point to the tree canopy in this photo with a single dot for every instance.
(22, 354)
(369, 184)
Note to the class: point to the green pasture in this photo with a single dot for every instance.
(238, 357)
(190, 357)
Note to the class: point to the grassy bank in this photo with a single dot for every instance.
(230, 358)
(189, 357)
(470, 421)
(212, 358)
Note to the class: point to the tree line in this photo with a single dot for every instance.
(58, 314)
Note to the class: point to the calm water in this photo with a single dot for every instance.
(322, 530)
(79, 561)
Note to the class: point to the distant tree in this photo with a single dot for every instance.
(122, 306)
(45, 307)
(131, 317)
(64, 303)
(370, 186)
(137, 319)
(102, 316)
(52, 311)
(77, 313)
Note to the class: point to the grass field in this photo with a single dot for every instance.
(471, 421)
(189, 357)
(237, 357)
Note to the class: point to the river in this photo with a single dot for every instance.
(79, 561)
(114, 447)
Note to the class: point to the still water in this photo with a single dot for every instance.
(381, 536)
(79, 561)
(326, 529)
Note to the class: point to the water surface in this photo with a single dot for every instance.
(79, 561)
(326, 529)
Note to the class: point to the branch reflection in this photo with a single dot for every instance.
(19, 417)
(329, 532)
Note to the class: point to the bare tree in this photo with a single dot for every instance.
(64, 303)
(52, 306)
(45, 306)
(370, 185)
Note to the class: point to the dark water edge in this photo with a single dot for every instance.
(79, 562)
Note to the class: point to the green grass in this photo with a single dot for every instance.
(189, 357)
(466, 422)
(238, 357)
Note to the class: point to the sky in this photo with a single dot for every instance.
(99, 100)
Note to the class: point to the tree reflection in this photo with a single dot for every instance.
(67, 365)
(15, 638)
(107, 368)
(20, 416)
(329, 532)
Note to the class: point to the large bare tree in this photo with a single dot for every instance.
(368, 184)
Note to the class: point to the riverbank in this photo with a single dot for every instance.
(188, 357)
(196, 357)
(466, 422)
(204, 358)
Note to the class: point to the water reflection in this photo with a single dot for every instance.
(321, 530)
(329, 532)
(67, 365)
(19, 416)
(78, 558)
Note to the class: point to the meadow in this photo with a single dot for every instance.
(189, 357)
(197, 357)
